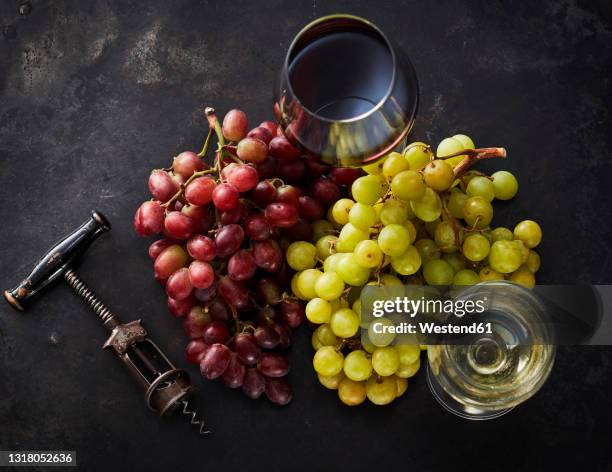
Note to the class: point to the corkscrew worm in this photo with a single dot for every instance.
(166, 387)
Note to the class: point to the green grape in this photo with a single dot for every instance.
(357, 307)
(368, 254)
(408, 185)
(449, 146)
(385, 360)
(338, 303)
(412, 231)
(382, 337)
(466, 277)
(524, 251)
(504, 184)
(402, 385)
(477, 212)
(501, 234)
(362, 216)
(357, 366)
(324, 246)
(318, 311)
(446, 238)
(344, 323)
(405, 371)
(349, 236)
(476, 247)
(408, 353)
(428, 207)
(393, 212)
(438, 272)
(301, 255)
(418, 155)
(428, 250)
(529, 232)
(438, 175)
(331, 263)
(456, 261)
(430, 227)
(408, 262)
(332, 382)
(394, 164)
(351, 272)
(486, 274)
(389, 280)
(523, 276)
(505, 256)
(381, 391)
(351, 393)
(393, 240)
(465, 141)
(321, 228)
(533, 261)
(455, 203)
(376, 167)
(326, 336)
(331, 219)
(327, 361)
(295, 288)
(314, 341)
(341, 209)
(306, 282)
(329, 286)
(480, 187)
(367, 189)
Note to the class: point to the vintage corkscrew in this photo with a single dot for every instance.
(166, 387)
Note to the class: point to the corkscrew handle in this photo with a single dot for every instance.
(54, 263)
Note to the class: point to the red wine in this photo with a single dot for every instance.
(342, 74)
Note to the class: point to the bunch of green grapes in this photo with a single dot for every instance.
(415, 217)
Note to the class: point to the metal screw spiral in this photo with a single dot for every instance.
(88, 296)
(193, 419)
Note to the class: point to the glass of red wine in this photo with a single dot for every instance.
(347, 96)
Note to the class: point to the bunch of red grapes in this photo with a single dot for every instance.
(221, 258)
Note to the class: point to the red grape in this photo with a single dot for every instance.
(310, 208)
(234, 215)
(201, 248)
(316, 169)
(301, 231)
(281, 215)
(201, 274)
(261, 133)
(325, 191)
(292, 171)
(234, 374)
(229, 239)
(149, 218)
(195, 350)
(225, 197)
(266, 337)
(257, 228)
(254, 384)
(157, 247)
(273, 365)
(267, 168)
(268, 291)
(235, 125)
(199, 191)
(215, 361)
(215, 332)
(243, 177)
(181, 307)
(285, 335)
(345, 175)
(268, 255)
(201, 216)
(178, 225)
(234, 293)
(263, 193)
(241, 265)
(265, 314)
(186, 163)
(205, 295)
(281, 148)
(288, 194)
(195, 321)
(292, 312)
(179, 286)
(278, 391)
(270, 126)
(218, 310)
(252, 150)
(169, 260)
(162, 186)
(246, 348)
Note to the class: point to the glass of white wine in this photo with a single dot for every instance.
(493, 372)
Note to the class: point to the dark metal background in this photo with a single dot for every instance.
(93, 94)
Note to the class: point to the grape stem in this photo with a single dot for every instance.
(182, 187)
(474, 155)
(213, 124)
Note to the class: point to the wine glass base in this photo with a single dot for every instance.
(456, 408)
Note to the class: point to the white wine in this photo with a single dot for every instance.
(498, 370)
